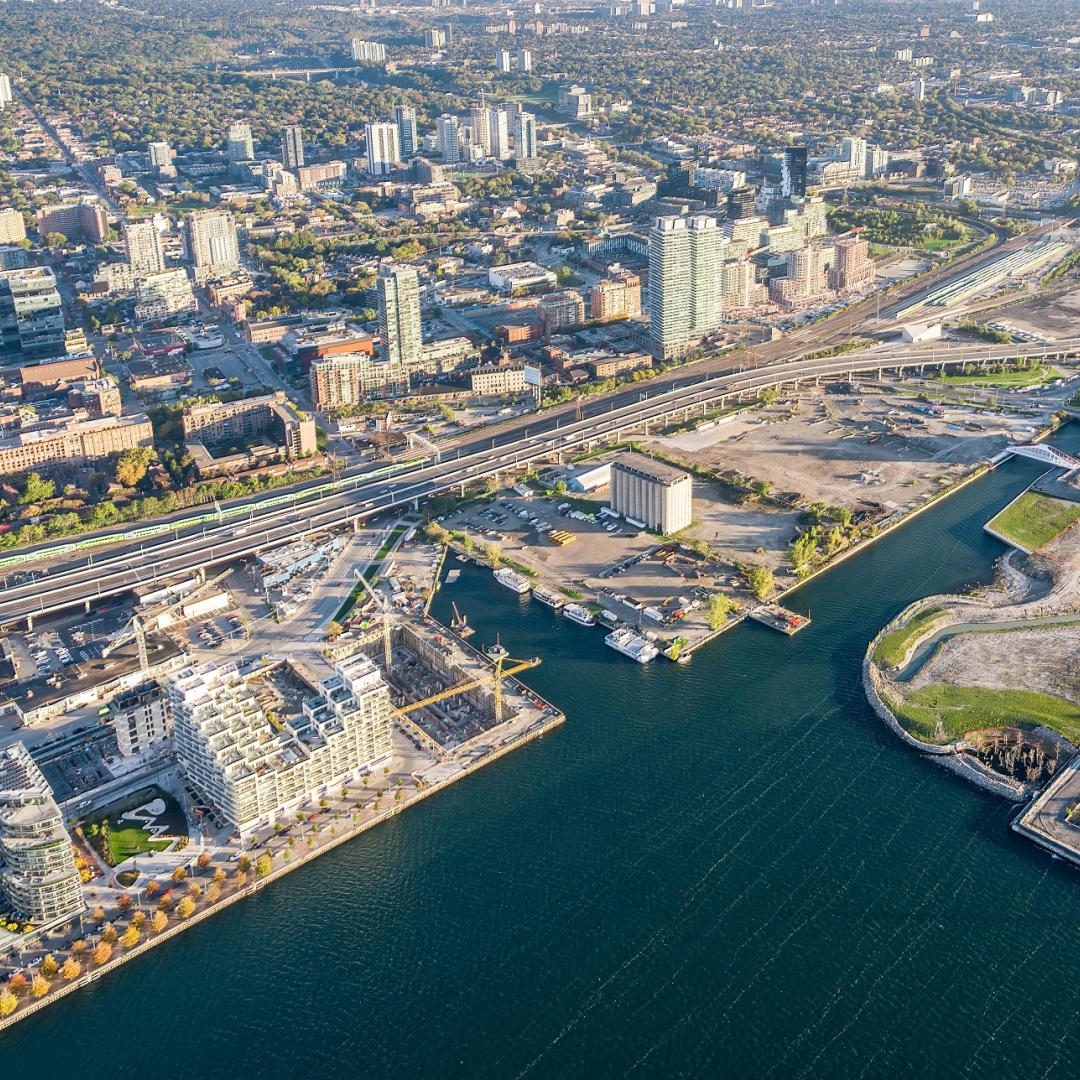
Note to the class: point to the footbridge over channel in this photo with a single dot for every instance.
(1046, 455)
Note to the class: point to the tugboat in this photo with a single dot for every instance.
(496, 651)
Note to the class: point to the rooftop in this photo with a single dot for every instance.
(650, 468)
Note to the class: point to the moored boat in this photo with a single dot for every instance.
(577, 613)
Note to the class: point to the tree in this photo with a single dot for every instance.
(769, 395)
(185, 908)
(203, 861)
(109, 934)
(761, 581)
(494, 553)
(158, 921)
(49, 966)
(802, 553)
(129, 937)
(132, 465)
(717, 609)
(39, 987)
(71, 969)
(36, 490)
(55, 240)
(262, 865)
(102, 952)
(17, 983)
(8, 1003)
(179, 875)
(124, 902)
(334, 630)
(243, 864)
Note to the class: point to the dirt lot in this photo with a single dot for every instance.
(849, 450)
(1051, 658)
(1053, 316)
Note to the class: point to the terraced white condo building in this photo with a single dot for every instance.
(256, 771)
(39, 882)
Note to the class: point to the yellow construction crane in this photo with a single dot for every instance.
(497, 675)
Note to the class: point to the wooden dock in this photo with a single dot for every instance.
(780, 618)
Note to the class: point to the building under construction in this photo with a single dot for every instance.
(446, 692)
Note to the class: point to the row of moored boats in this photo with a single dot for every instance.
(621, 639)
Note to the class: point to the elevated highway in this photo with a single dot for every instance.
(60, 580)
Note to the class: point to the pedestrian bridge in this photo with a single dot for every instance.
(1047, 455)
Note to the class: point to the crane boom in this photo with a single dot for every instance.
(498, 675)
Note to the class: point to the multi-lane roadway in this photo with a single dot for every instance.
(63, 583)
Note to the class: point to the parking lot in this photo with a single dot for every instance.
(619, 567)
(216, 631)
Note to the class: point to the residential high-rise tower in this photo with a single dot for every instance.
(405, 118)
(383, 148)
(292, 146)
(399, 315)
(685, 283)
(212, 243)
(142, 243)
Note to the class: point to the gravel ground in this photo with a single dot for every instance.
(1045, 660)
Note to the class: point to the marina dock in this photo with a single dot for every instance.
(780, 618)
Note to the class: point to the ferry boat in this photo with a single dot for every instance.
(512, 580)
(549, 597)
(577, 613)
(629, 644)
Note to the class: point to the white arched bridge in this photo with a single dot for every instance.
(1047, 455)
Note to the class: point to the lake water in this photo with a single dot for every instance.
(728, 868)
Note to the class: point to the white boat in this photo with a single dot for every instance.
(549, 597)
(629, 644)
(577, 613)
(512, 580)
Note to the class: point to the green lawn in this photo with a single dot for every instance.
(960, 709)
(1027, 377)
(128, 837)
(894, 645)
(1033, 520)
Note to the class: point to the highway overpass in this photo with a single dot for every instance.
(60, 582)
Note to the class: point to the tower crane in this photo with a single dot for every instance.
(497, 675)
